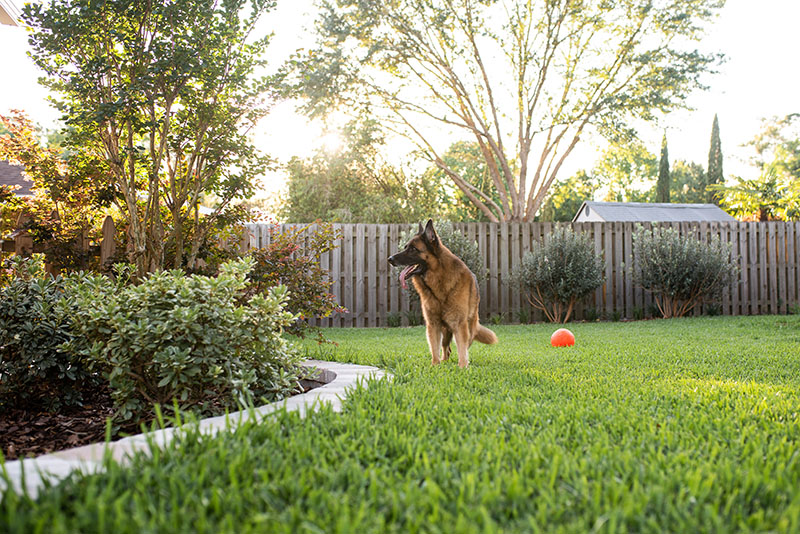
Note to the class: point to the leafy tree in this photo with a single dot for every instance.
(626, 171)
(466, 159)
(163, 93)
(565, 198)
(762, 198)
(70, 192)
(714, 174)
(526, 80)
(777, 144)
(663, 183)
(357, 185)
(687, 183)
(775, 192)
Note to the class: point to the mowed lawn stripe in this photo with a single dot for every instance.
(685, 425)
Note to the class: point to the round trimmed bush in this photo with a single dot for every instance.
(682, 272)
(559, 273)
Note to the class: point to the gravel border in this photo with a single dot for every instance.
(32, 473)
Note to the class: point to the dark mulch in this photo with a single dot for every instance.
(25, 433)
(31, 432)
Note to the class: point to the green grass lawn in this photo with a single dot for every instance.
(656, 426)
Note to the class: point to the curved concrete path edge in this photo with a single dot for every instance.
(30, 474)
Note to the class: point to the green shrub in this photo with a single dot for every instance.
(285, 261)
(394, 320)
(681, 272)
(497, 319)
(185, 338)
(559, 273)
(414, 317)
(591, 314)
(34, 372)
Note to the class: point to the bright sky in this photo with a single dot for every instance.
(759, 79)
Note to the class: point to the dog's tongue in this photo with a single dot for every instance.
(404, 274)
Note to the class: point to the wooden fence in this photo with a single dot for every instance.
(768, 256)
(20, 242)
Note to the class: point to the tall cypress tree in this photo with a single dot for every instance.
(714, 172)
(662, 185)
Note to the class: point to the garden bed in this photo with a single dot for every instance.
(25, 433)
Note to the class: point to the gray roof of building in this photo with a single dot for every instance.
(656, 212)
(11, 175)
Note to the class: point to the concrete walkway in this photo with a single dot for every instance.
(30, 474)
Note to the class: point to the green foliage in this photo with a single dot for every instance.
(682, 272)
(592, 314)
(356, 185)
(394, 320)
(464, 158)
(414, 317)
(288, 262)
(687, 183)
(559, 273)
(525, 74)
(714, 176)
(777, 144)
(764, 198)
(35, 372)
(682, 426)
(497, 319)
(70, 195)
(775, 193)
(565, 198)
(184, 338)
(663, 183)
(626, 171)
(166, 108)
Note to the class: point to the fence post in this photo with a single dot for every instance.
(107, 245)
(23, 242)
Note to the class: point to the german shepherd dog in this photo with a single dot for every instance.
(449, 294)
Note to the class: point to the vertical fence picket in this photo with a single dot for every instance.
(514, 236)
(627, 268)
(791, 267)
(780, 261)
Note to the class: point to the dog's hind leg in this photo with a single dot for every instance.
(447, 337)
(462, 344)
(434, 332)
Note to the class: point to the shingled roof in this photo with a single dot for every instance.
(11, 175)
(649, 212)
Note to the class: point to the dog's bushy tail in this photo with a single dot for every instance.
(486, 336)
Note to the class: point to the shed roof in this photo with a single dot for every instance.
(11, 175)
(9, 13)
(651, 212)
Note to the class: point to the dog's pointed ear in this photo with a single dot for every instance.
(430, 233)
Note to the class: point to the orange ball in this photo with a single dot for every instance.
(562, 338)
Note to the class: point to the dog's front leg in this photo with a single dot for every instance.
(462, 344)
(434, 340)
